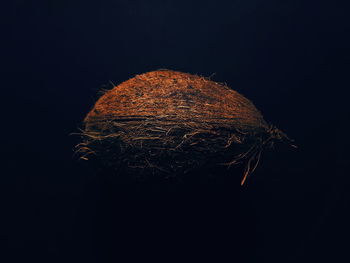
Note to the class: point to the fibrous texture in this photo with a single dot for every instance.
(169, 123)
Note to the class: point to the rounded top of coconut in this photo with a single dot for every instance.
(172, 95)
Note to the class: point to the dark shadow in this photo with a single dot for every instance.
(196, 217)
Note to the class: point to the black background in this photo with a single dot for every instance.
(288, 57)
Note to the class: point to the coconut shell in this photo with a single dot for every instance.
(169, 123)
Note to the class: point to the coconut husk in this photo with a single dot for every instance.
(169, 123)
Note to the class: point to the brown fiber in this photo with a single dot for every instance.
(169, 123)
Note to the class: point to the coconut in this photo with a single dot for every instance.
(169, 123)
